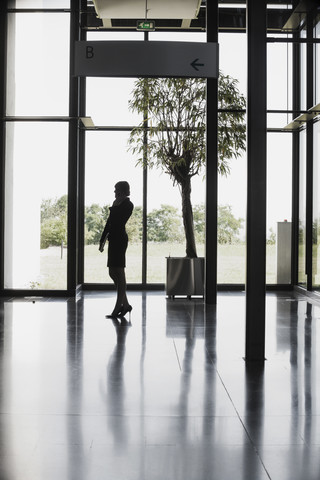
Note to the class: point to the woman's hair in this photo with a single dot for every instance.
(123, 187)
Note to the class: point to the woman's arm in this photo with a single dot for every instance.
(104, 236)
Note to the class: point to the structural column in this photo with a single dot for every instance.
(81, 154)
(256, 186)
(296, 85)
(3, 46)
(309, 152)
(145, 191)
(211, 165)
(73, 157)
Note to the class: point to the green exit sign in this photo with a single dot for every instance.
(146, 25)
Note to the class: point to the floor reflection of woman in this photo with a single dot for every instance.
(115, 233)
(115, 386)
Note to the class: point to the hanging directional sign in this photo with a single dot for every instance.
(146, 59)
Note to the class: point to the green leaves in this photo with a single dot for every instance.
(231, 126)
(95, 219)
(174, 123)
(228, 225)
(54, 221)
(174, 120)
(164, 225)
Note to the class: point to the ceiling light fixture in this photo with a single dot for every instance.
(135, 9)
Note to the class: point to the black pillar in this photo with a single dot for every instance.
(309, 152)
(73, 158)
(295, 161)
(81, 150)
(211, 166)
(256, 196)
(145, 192)
(3, 72)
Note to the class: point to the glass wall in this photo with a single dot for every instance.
(279, 210)
(36, 205)
(107, 101)
(107, 104)
(232, 189)
(316, 168)
(39, 3)
(36, 156)
(107, 162)
(37, 151)
(38, 56)
(165, 228)
(165, 232)
(317, 65)
(279, 163)
(302, 277)
(316, 207)
(279, 76)
(303, 70)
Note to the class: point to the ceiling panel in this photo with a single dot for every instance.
(156, 8)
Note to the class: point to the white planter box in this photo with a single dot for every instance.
(185, 276)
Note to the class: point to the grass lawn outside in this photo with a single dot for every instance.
(231, 264)
(53, 269)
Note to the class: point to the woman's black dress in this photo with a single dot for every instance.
(116, 234)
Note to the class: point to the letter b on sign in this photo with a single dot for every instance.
(89, 52)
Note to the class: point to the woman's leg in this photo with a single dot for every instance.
(123, 288)
(113, 275)
(119, 278)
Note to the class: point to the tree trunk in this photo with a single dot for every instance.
(187, 216)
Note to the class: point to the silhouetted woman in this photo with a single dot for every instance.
(115, 232)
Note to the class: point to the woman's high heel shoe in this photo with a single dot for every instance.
(115, 314)
(125, 310)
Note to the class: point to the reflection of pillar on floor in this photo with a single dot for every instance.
(6, 340)
(74, 388)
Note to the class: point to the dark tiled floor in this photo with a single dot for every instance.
(169, 397)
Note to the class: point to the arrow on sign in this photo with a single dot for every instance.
(194, 64)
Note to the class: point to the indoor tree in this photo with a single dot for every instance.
(172, 135)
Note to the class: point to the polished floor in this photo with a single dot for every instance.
(167, 397)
